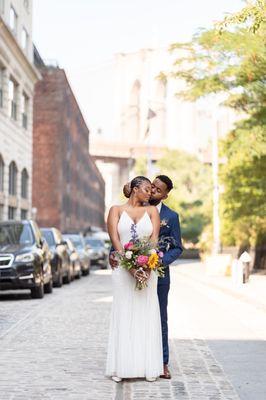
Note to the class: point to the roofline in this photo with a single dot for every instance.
(31, 68)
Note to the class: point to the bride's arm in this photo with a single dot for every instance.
(155, 219)
(112, 221)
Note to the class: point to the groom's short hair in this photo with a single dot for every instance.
(167, 181)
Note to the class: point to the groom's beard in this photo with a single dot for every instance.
(154, 202)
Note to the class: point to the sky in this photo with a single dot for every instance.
(83, 35)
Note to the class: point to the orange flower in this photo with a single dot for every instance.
(153, 261)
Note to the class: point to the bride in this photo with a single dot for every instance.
(135, 339)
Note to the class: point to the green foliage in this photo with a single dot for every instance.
(140, 168)
(191, 196)
(253, 16)
(233, 64)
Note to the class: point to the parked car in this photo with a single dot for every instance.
(97, 251)
(82, 249)
(24, 258)
(102, 235)
(74, 258)
(61, 265)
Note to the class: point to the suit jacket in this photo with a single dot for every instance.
(171, 235)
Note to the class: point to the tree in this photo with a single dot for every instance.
(191, 196)
(233, 64)
(253, 15)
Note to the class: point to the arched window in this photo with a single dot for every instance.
(13, 172)
(2, 168)
(24, 184)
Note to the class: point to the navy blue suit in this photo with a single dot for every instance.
(170, 228)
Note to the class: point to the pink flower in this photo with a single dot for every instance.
(128, 245)
(160, 254)
(142, 260)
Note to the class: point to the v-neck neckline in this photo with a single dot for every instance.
(135, 223)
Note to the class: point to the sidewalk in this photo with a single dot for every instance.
(253, 292)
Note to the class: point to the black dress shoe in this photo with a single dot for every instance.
(166, 372)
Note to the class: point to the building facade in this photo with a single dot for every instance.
(17, 79)
(149, 118)
(68, 189)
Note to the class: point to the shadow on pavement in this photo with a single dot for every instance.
(14, 296)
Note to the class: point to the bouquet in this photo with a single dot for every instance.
(142, 254)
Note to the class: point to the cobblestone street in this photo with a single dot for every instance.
(55, 348)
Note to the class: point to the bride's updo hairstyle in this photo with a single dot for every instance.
(136, 182)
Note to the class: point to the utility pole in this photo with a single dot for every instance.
(215, 169)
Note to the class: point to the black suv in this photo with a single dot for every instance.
(62, 268)
(24, 258)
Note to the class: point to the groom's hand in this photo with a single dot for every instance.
(113, 260)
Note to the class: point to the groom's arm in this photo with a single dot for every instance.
(176, 247)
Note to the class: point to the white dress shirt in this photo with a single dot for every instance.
(159, 206)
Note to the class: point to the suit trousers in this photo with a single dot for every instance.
(163, 290)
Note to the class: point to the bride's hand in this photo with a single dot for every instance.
(139, 275)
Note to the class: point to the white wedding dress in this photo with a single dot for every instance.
(135, 338)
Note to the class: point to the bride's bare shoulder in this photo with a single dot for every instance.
(152, 210)
(116, 209)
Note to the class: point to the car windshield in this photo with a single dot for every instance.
(16, 234)
(94, 242)
(76, 240)
(49, 237)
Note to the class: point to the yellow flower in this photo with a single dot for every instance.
(153, 261)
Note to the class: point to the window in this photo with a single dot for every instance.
(24, 184)
(1, 86)
(2, 6)
(12, 97)
(13, 20)
(23, 214)
(12, 212)
(2, 169)
(24, 40)
(16, 234)
(25, 106)
(26, 4)
(13, 172)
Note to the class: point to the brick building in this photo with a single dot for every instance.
(68, 189)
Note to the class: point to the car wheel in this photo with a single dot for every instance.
(38, 291)
(48, 288)
(67, 279)
(59, 281)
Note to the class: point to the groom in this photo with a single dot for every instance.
(170, 229)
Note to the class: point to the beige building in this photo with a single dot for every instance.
(17, 79)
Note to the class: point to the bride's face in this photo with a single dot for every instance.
(143, 192)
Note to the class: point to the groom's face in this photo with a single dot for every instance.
(159, 192)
